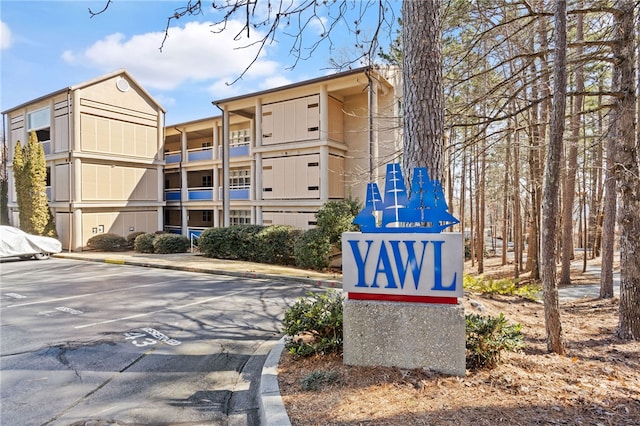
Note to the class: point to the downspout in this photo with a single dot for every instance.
(71, 144)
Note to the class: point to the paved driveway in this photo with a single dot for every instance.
(96, 343)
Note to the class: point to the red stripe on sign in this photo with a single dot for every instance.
(403, 298)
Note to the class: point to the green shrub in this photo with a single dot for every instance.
(486, 337)
(107, 242)
(314, 324)
(276, 244)
(505, 286)
(312, 250)
(131, 238)
(243, 241)
(170, 243)
(211, 241)
(336, 217)
(235, 242)
(144, 243)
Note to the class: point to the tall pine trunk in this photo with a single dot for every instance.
(568, 194)
(628, 176)
(550, 191)
(423, 114)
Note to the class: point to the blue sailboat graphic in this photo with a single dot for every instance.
(425, 211)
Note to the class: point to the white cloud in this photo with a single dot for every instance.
(190, 53)
(275, 81)
(5, 36)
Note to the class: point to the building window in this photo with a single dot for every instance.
(206, 144)
(207, 216)
(240, 137)
(48, 177)
(240, 217)
(240, 179)
(39, 121)
(207, 181)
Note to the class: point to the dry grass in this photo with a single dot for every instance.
(596, 383)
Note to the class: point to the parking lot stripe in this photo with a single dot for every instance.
(173, 308)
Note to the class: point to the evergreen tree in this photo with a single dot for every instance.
(4, 188)
(30, 176)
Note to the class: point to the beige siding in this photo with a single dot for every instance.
(61, 125)
(117, 183)
(61, 183)
(356, 164)
(63, 227)
(105, 94)
(119, 223)
(117, 138)
(289, 121)
(336, 120)
(299, 220)
(336, 177)
(291, 177)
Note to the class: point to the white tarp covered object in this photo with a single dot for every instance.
(15, 242)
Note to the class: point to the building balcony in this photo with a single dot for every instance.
(200, 154)
(172, 194)
(235, 193)
(235, 151)
(200, 194)
(173, 229)
(172, 157)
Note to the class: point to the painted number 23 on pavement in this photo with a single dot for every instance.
(149, 337)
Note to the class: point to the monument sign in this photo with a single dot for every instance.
(403, 278)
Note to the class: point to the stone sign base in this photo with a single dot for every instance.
(405, 335)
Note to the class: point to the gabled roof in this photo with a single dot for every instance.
(313, 81)
(87, 84)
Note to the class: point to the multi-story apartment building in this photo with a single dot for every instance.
(276, 156)
(271, 157)
(103, 144)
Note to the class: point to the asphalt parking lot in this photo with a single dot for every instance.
(97, 343)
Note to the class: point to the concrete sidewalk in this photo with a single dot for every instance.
(195, 262)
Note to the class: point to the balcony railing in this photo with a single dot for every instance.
(235, 151)
(172, 195)
(239, 194)
(173, 229)
(199, 194)
(200, 154)
(172, 157)
(235, 193)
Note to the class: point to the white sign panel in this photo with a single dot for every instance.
(403, 264)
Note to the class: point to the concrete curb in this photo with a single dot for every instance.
(272, 411)
(257, 275)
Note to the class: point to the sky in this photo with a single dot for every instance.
(48, 45)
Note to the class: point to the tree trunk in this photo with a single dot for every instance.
(517, 218)
(609, 219)
(568, 194)
(505, 201)
(550, 191)
(423, 114)
(628, 177)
